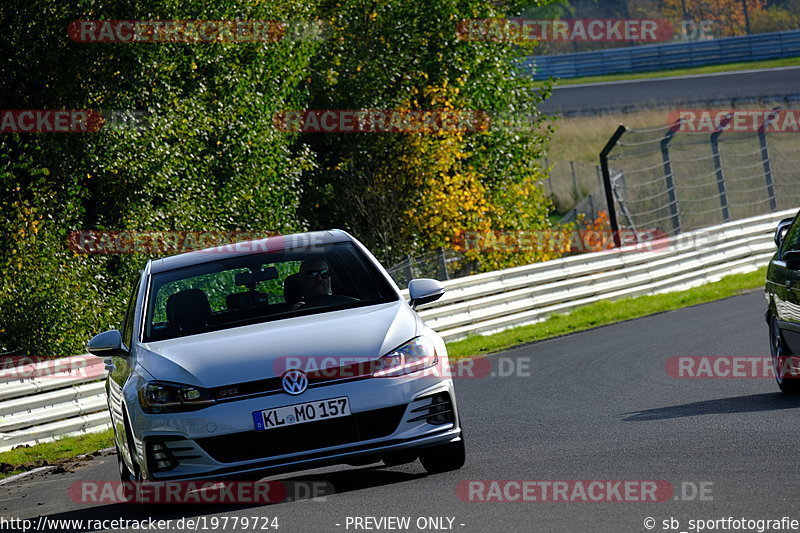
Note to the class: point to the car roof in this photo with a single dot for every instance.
(278, 242)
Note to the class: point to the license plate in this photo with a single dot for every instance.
(301, 413)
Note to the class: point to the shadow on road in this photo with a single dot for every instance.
(339, 482)
(736, 404)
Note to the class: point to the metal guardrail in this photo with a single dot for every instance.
(46, 400)
(773, 45)
(493, 301)
(51, 405)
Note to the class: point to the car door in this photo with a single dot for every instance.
(785, 286)
(119, 369)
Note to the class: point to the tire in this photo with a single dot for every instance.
(444, 458)
(779, 353)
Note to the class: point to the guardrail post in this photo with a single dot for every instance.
(612, 210)
(670, 184)
(723, 195)
(762, 143)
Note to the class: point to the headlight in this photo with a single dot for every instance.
(162, 397)
(416, 354)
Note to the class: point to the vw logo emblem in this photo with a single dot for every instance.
(294, 382)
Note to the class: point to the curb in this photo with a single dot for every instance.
(15, 477)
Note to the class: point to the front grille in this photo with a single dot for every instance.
(250, 445)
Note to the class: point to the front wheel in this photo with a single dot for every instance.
(788, 383)
(444, 458)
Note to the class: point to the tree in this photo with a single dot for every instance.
(425, 189)
(207, 158)
(728, 15)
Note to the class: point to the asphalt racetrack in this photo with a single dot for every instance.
(780, 86)
(596, 405)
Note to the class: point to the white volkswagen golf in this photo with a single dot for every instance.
(281, 354)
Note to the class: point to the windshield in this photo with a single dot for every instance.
(262, 287)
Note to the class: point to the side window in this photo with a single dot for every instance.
(127, 327)
(792, 239)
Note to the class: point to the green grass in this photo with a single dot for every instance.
(710, 69)
(23, 459)
(606, 312)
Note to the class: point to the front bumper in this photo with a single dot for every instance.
(219, 442)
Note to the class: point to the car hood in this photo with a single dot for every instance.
(254, 352)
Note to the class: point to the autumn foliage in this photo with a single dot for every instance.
(728, 15)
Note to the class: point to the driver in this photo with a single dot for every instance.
(314, 279)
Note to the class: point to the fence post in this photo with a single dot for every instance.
(444, 262)
(612, 211)
(599, 175)
(723, 195)
(410, 267)
(621, 201)
(762, 143)
(670, 184)
(575, 192)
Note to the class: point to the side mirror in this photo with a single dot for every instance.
(107, 344)
(792, 259)
(780, 231)
(424, 290)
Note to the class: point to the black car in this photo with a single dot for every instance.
(783, 305)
